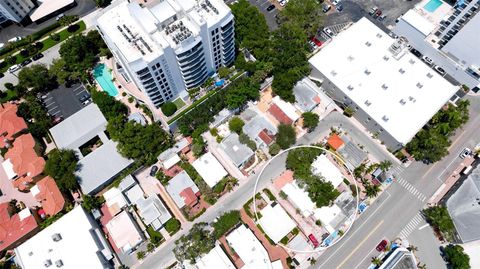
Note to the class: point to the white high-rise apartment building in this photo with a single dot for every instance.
(170, 47)
(15, 10)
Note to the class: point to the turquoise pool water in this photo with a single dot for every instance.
(104, 78)
(432, 5)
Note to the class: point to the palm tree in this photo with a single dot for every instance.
(421, 266)
(376, 261)
(385, 165)
(372, 190)
(412, 248)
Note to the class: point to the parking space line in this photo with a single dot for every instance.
(52, 108)
(52, 103)
(46, 99)
(56, 113)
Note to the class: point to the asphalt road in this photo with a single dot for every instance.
(396, 207)
(82, 8)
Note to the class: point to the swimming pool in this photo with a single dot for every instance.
(432, 5)
(104, 78)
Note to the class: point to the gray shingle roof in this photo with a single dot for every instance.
(100, 166)
(79, 128)
(238, 152)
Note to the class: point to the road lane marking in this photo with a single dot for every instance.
(361, 243)
(426, 225)
(359, 227)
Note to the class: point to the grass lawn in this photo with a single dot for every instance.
(10, 95)
(179, 103)
(195, 104)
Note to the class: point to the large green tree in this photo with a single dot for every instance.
(310, 120)
(241, 91)
(110, 107)
(192, 245)
(61, 165)
(236, 124)
(305, 13)
(37, 77)
(456, 257)
(439, 218)
(36, 116)
(286, 136)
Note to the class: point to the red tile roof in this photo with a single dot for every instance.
(335, 141)
(285, 178)
(50, 196)
(12, 228)
(24, 158)
(278, 114)
(268, 139)
(10, 123)
(189, 197)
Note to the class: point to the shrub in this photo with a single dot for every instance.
(140, 255)
(12, 59)
(9, 86)
(169, 109)
(55, 37)
(286, 136)
(244, 139)
(130, 99)
(274, 149)
(225, 222)
(124, 94)
(236, 124)
(172, 226)
(73, 28)
(283, 195)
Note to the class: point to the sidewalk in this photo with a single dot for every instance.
(451, 180)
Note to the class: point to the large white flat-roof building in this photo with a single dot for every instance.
(446, 34)
(73, 240)
(393, 93)
(170, 47)
(124, 232)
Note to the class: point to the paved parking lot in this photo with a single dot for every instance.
(262, 6)
(64, 101)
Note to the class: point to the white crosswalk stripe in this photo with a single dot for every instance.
(411, 226)
(410, 188)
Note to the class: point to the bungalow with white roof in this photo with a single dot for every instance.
(210, 169)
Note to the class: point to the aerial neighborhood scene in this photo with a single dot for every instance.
(229, 134)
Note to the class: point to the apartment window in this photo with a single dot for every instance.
(158, 65)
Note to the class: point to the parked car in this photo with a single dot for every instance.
(427, 60)
(60, 16)
(377, 14)
(26, 62)
(328, 32)
(270, 7)
(15, 39)
(153, 170)
(416, 52)
(465, 153)
(382, 245)
(372, 11)
(316, 41)
(14, 68)
(326, 8)
(382, 18)
(57, 120)
(442, 253)
(335, 2)
(339, 7)
(440, 70)
(313, 240)
(37, 56)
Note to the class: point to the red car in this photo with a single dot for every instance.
(313, 240)
(316, 41)
(382, 245)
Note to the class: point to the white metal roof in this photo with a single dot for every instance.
(8, 168)
(287, 108)
(216, 258)
(78, 245)
(324, 167)
(401, 94)
(326, 214)
(47, 7)
(299, 197)
(115, 200)
(209, 169)
(124, 232)
(272, 216)
(249, 248)
(174, 159)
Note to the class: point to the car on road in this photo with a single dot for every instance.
(440, 70)
(15, 39)
(14, 68)
(328, 32)
(326, 8)
(153, 170)
(465, 153)
(37, 56)
(382, 245)
(416, 52)
(313, 240)
(427, 60)
(270, 7)
(26, 62)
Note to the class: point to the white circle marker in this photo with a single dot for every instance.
(352, 218)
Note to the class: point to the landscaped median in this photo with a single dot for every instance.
(33, 49)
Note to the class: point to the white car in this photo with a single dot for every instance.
(328, 32)
(335, 2)
(2, 45)
(465, 153)
(427, 60)
(15, 39)
(14, 68)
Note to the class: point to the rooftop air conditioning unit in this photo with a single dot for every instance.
(59, 263)
(47, 263)
(56, 237)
